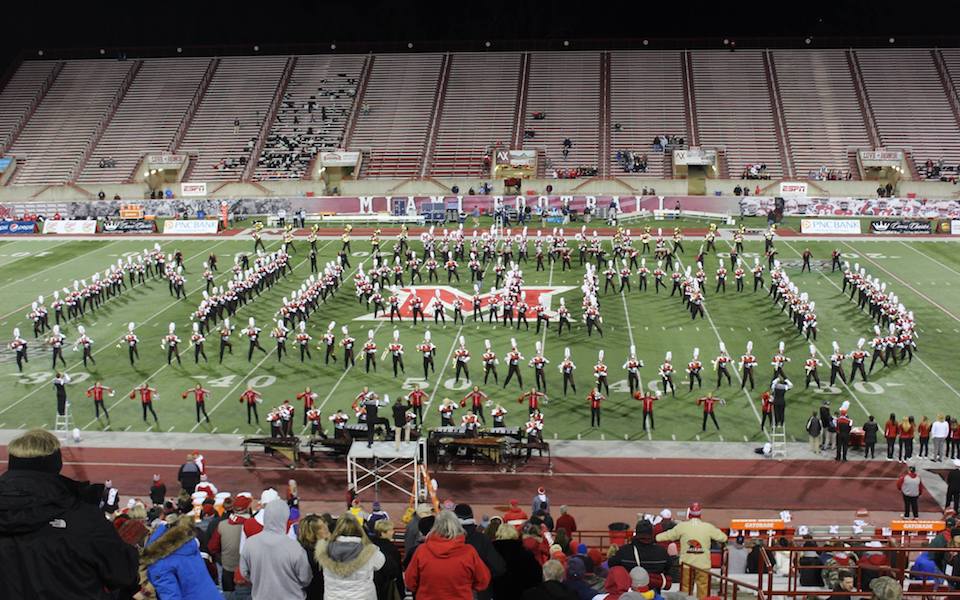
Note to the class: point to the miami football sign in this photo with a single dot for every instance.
(448, 295)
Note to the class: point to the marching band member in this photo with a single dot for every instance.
(330, 341)
(253, 337)
(632, 367)
(252, 398)
(416, 398)
(666, 374)
(346, 342)
(279, 333)
(462, 357)
(19, 345)
(477, 399)
(427, 350)
(339, 420)
(858, 356)
(96, 391)
(490, 362)
(810, 366)
(595, 398)
(147, 394)
(709, 409)
(309, 397)
(720, 365)
(693, 369)
(566, 369)
(539, 363)
(747, 362)
(370, 352)
(197, 339)
(499, 415)
(533, 398)
(395, 349)
(513, 364)
(225, 344)
(470, 423)
(779, 359)
(647, 399)
(446, 409)
(303, 341)
(600, 373)
(172, 344)
(313, 417)
(56, 342)
(200, 396)
(86, 343)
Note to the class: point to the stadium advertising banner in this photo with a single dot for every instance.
(830, 226)
(127, 226)
(85, 227)
(900, 226)
(17, 227)
(193, 189)
(189, 226)
(792, 189)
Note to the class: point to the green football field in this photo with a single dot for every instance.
(923, 274)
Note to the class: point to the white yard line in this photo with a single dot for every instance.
(931, 259)
(904, 283)
(925, 365)
(440, 372)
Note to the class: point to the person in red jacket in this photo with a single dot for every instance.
(923, 434)
(444, 567)
(890, 434)
(766, 407)
(514, 515)
(566, 521)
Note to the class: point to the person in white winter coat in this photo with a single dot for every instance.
(348, 560)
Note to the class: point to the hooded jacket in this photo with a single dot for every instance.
(55, 545)
(446, 569)
(618, 583)
(276, 565)
(174, 566)
(695, 537)
(348, 566)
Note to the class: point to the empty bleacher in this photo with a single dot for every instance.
(479, 109)
(57, 135)
(242, 88)
(400, 97)
(734, 109)
(19, 95)
(312, 115)
(646, 99)
(566, 87)
(147, 119)
(820, 107)
(908, 100)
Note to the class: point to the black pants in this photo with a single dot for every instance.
(646, 415)
(462, 366)
(843, 442)
(910, 504)
(712, 416)
(198, 352)
(202, 408)
(252, 408)
(905, 450)
(224, 345)
(891, 442)
(146, 407)
(779, 412)
(594, 417)
(511, 371)
(61, 405)
(254, 344)
(398, 363)
(747, 375)
(924, 449)
(869, 450)
(486, 373)
(98, 405)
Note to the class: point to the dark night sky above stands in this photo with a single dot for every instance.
(382, 25)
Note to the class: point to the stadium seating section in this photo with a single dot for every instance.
(414, 115)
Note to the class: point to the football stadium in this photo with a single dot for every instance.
(565, 310)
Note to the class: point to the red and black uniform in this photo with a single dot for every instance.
(709, 405)
(427, 349)
(308, 400)
(693, 369)
(347, 344)
(251, 398)
(461, 356)
(843, 425)
(721, 363)
(890, 431)
(477, 399)
(766, 409)
(647, 401)
(858, 356)
(200, 397)
(146, 394)
(96, 392)
(533, 399)
(416, 398)
(513, 368)
(595, 398)
(923, 434)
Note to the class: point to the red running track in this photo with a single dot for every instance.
(586, 481)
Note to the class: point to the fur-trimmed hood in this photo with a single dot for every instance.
(344, 556)
(168, 542)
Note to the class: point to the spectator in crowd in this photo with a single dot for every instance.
(388, 579)
(838, 562)
(412, 532)
(873, 564)
(515, 515)
(754, 557)
(911, 488)
(481, 543)
(644, 552)
(189, 475)
(695, 536)
(814, 429)
(737, 556)
(80, 559)
(540, 502)
(576, 579)
(617, 584)
(376, 514)
(939, 431)
(566, 520)
(348, 561)
(312, 529)
(845, 582)
(886, 588)
(522, 572)
(275, 564)
(552, 587)
(225, 540)
(445, 567)
(535, 542)
(158, 491)
(173, 563)
(810, 567)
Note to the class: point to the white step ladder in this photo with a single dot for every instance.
(63, 425)
(778, 440)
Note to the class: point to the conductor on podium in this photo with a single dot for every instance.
(372, 404)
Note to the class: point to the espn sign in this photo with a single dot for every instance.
(193, 189)
(793, 189)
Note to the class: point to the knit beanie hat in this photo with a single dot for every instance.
(575, 568)
(886, 588)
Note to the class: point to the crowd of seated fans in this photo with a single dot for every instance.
(940, 171)
(755, 171)
(632, 162)
(668, 143)
(306, 127)
(108, 162)
(825, 173)
(574, 172)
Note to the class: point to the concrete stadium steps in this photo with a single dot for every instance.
(55, 139)
(907, 97)
(147, 118)
(565, 86)
(242, 88)
(330, 82)
(734, 108)
(400, 94)
(646, 99)
(21, 94)
(479, 109)
(821, 112)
